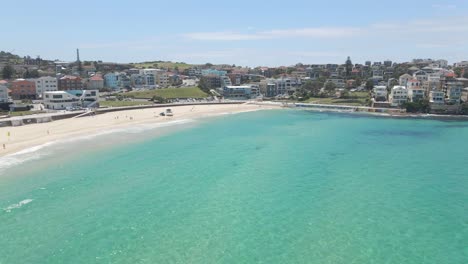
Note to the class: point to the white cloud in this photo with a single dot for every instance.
(325, 32)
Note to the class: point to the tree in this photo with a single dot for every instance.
(158, 99)
(8, 72)
(369, 84)
(31, 74)
(330, 87)
(204, 85)
(421, 106)
(349, 67)
(313, 87)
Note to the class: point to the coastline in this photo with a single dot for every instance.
(20, 139)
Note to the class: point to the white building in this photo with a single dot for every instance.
(420, 76)
(3, 92)
(436, 97)
(380, 92)
(162, 79)
(462, 64)
(45, 84)
(415, 90)
(454, 91)
(59, 100)
(404, 79)
(398, 95)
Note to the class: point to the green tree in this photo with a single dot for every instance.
(421, 106)
(369, 84)
(313, 87)
(204, 85)
(330, 88)
(158, 99)
(349, 67)
(8, 72)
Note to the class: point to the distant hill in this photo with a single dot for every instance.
(7, 57)
(163, 65)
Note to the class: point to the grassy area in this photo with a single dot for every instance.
(163, 65)
(356, 99)
(23, 113)
(122, 103)
(169, 93)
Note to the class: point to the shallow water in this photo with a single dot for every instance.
(262, 187)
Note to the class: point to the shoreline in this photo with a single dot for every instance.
(15, 140)
(341, 109)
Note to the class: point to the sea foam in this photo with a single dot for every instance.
(36, 152)
(16, 206)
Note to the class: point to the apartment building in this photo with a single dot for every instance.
(45, 84)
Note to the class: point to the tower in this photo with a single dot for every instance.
(77, 55)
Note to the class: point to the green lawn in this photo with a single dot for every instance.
(169, 93)
(122, 103)
(23, 113)
(356, 99)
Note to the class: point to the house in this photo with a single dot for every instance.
(436, 97)
(380, 93)
(420, 76)
(339, 83)
(4, 92)
(70, 82)
(398, 95)
(59, 100)
(96, 82)
(403, 80)
(454, 91)
(415, 91)
(23, 89)
(45, 84)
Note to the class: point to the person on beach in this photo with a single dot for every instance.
(4, 147)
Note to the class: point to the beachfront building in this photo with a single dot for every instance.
(454, 91)
(279, 87)
(23, 89)
(415, 91)
(96, 82)
(59, 100)
(3, 92)
(237, 92)
(225, 81)
(70, 82)
(398, 96)
(436, 97)
(268, 88)
(45, 84)
(380, 93)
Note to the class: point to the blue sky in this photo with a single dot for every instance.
(249, 33)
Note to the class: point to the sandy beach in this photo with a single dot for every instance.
(15, 139)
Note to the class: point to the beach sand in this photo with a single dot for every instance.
(15, 139)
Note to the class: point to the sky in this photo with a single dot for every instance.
(247, 33)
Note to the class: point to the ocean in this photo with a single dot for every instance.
(279, 186)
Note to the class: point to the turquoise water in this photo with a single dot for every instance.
(262, 187)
